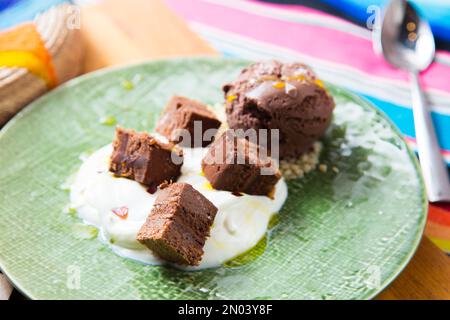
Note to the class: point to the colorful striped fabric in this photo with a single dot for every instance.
(340, 52)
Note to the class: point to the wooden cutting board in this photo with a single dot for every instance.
(119, 32)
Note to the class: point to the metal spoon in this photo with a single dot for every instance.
(407, 43)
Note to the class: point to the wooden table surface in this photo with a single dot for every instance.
(119, 32)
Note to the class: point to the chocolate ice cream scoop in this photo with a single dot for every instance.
(288, 97)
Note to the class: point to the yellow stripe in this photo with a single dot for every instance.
(443, 244)
(24, 59)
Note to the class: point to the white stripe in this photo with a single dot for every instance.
(396, 92)
(296, 16)
(443, 58)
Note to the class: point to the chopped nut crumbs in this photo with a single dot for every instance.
(297, 168)
(290, 168)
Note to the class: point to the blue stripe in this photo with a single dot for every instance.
(228, 54)
(403, 118)
(437, 12)
(18, 11)
(6, 3)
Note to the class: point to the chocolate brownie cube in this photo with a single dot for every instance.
(178, 225)
(179, 118)
(235, 164)
(140, 157)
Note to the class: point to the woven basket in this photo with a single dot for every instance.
(18, 87)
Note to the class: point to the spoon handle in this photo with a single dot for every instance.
(434, 169)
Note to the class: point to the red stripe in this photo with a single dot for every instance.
(439, 214)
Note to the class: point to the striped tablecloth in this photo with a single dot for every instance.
(340, 51)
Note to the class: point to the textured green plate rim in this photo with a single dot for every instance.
(364, 103)
(425, 204)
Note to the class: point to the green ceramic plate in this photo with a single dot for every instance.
(342, 235)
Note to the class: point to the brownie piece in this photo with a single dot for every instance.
(140, 157)
(178, 225)
(181, 113)
(234, 164)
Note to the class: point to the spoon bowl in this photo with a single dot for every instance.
(407, 42)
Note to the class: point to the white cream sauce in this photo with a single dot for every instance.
(239, 224)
